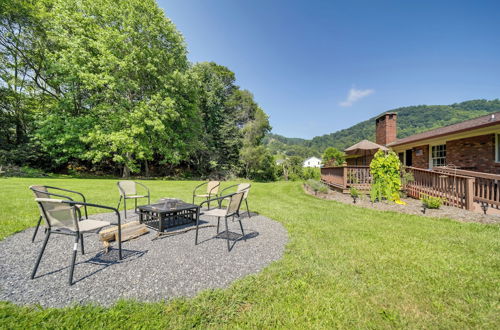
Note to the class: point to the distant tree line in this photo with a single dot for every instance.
(106, 87)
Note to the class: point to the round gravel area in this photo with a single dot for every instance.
(151, 269)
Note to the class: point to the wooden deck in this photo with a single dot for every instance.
(460, 188)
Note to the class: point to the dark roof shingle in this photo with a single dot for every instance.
(483, 121)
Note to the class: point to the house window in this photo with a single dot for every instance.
(497, 149)
(438, 155)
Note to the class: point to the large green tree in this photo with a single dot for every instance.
(116, 81)
(232, 122)
(108, 86)
(17, 95)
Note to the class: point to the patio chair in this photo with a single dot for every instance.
(128, 190)
(230, 211)
(64, 217)
(43, 192)
(242, 187)
(212, 191)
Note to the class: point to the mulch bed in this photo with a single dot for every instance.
(413, 206)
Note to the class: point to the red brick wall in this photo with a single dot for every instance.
(421, 161)
(385, 129)
(475, 153)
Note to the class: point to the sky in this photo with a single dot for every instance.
(319, 66)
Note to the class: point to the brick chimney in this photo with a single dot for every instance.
(385, 128)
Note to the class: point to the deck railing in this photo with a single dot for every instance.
(486, 185)
(345, 177)
(456, 190)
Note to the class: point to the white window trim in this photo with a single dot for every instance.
(497, 143)
(430, 153)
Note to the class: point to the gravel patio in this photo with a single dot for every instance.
(151, 270)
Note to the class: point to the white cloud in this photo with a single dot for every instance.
(355, 95)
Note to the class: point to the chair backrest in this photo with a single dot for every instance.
(213, 187)
(127, 187)
(57, 213)
(245, 188)
(40, 191)
(234, 203)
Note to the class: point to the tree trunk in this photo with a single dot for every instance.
(126, 169)
(126, 172)
(146, 168)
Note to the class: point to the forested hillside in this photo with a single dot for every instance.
(411, 120)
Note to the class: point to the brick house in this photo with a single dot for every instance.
(471, 145)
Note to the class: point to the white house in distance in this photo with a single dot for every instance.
(312, 162)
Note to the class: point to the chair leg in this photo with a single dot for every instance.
(218, 222)
(73, 259)
(81, 244)
(36, 229)
(197, 223)
(120, 256)
(248, 210)
(227, 235)
(40, 255)
(242, 231)
(135, 209)
(125, 206)
(119, 202)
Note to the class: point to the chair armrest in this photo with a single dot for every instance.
(198, 186)
(96, 206)
(73, 192)
(52, 194)
(147, 189)
(220, 199)
(221, 193)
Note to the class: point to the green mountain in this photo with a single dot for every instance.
(411, 120)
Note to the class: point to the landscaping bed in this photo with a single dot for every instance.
(412, 206)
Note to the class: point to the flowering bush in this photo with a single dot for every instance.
(386, 180)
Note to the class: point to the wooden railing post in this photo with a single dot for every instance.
(344, 173)
(469, 194)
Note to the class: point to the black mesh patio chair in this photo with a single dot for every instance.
(212, 191)
(230, 211)
(242, 187)
(43, 192)
(64, 217)
(128, 190)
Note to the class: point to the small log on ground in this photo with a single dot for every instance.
(130, 230)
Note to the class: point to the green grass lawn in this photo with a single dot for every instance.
(344, 266)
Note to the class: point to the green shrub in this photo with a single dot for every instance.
(311, 173)
(406, 176)
(317, 186)
(24, 171)
(431, 202)
(386, 180)
(354, 192)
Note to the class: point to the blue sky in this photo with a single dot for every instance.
(319, 66)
